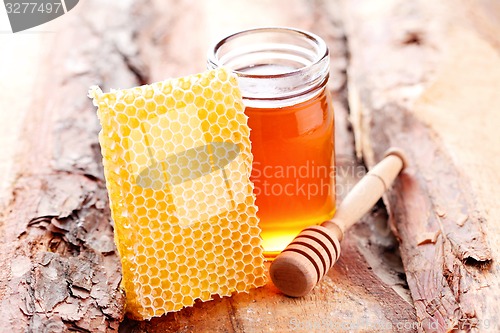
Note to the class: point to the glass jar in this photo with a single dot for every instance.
(282, 74)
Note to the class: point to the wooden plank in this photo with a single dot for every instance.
(425, 76)
(61, 271)
(18, 64)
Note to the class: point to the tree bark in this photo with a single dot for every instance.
(59, 267)
(424, 76)
(60, 270)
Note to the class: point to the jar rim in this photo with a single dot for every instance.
(214, 61)
(275, 66)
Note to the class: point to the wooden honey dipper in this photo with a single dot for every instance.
(302, 264)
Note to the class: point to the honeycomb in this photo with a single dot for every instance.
(177, 163)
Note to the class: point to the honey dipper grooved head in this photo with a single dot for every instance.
(293, 274)
(297, 269)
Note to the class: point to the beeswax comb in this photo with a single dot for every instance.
(177, 163)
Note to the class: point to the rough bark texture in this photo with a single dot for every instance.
(59, 266)
(424, 75)
(59, 269)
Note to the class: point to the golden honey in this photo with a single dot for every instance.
(282, 74)
(293, 169)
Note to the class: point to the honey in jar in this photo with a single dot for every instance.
(282, 74)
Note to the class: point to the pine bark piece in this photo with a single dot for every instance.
(60, 181)
(59, 267)
(413, 84)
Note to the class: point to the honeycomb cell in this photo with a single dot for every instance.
(213, 288)
(238, 256)
(153, 271)
(239, 266)
(230, 273)
(162, 264)
(246, 249)
(246, 238)
(180, 259)
(177, 299)
(237, 247)
(219, 250)
(182, 269)
(244, 229)
(171, 256)
(210, 267)
(191, 260)
(240, 286)
(196, 293)
(247, 259)
(228, 253)
(187, 243)
(210, 257)
(197, 234)
(226, 233)
(184, 280)
(194, 282)
(141, 259)
(148, 242)
(201, 264)
(150, 252)
(155, 282)
(144, 280)
(177, 161)
(186, 290)
(146, 288)
(142, 269)
(231, 284)
(158, 303)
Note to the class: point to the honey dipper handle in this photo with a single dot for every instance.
(367, 192)
(303, 263)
